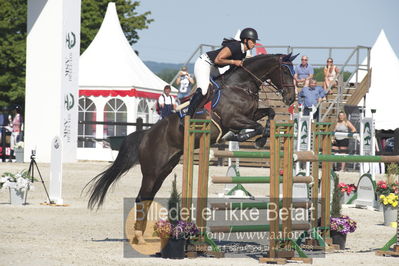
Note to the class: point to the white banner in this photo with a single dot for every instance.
(70, 83)
(51, 94)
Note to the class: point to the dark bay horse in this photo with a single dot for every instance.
(158, 149)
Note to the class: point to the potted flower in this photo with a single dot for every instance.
(388, 186)
(390, 203)
(18, 186)
(174, 232)
(19, 152)
(347, 190)
(174, 237)
(340, 225)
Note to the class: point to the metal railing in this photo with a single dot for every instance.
(139, 124)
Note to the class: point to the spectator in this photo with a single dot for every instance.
(341, 143)
(185, 81)
(16, 126)
(166, 102)
(303, 73)
(3, 122)
(309, 97)
(330, 74)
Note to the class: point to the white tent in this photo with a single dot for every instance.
(114, 86)
(110, 61)
(383, 94)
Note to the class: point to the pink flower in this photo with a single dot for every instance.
(380, 183)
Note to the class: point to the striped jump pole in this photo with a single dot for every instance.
(256, 179)
(243, 154)
(309, 156)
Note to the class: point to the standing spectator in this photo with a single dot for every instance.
(185, 81)
(310, 97)
(3, 124)
(166, 102)
(16, 126)
(341, 143)
(330, 74)
(303, 73)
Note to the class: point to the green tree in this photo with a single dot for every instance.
(93, 12)
(319, 74)
(167, 75)
(13, 20)
(13, 16)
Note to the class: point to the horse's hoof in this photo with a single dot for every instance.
(138, 238)
(260, 142)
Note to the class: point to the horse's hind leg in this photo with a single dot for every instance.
(149, 187)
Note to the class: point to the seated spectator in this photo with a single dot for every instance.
(330, 75)
(166, 102)
(341, 143)
(310, 96)
(185, 81)
(303, 73)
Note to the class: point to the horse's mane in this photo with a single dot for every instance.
(247, 61)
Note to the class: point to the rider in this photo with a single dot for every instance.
(231, 53)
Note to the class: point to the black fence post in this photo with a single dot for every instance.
(396, 142)
(139, 124)
(3, 144)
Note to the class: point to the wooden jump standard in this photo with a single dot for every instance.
(281, 247)
(320, 139)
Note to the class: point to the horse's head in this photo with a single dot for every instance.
(277, 71)
(283, 77)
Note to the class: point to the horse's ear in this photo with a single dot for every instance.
(286, 58)
(292, 58)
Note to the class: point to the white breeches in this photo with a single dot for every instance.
(202, 71)
(14, 138)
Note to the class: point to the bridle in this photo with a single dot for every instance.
(280, 66)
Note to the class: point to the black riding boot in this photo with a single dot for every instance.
(194, 102)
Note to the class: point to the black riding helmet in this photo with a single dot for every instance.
(249, 33)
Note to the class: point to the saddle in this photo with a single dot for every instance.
(210, 96)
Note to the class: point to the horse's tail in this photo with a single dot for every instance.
(127, 157)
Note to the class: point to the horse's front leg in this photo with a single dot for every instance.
(259, 114)
(240, 123)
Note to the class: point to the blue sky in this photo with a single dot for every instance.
(180, 26)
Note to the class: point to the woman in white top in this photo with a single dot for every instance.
(341, 143)
(330, 74)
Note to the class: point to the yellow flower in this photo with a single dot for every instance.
(394, 204)
(385, 202)
(382, 196)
